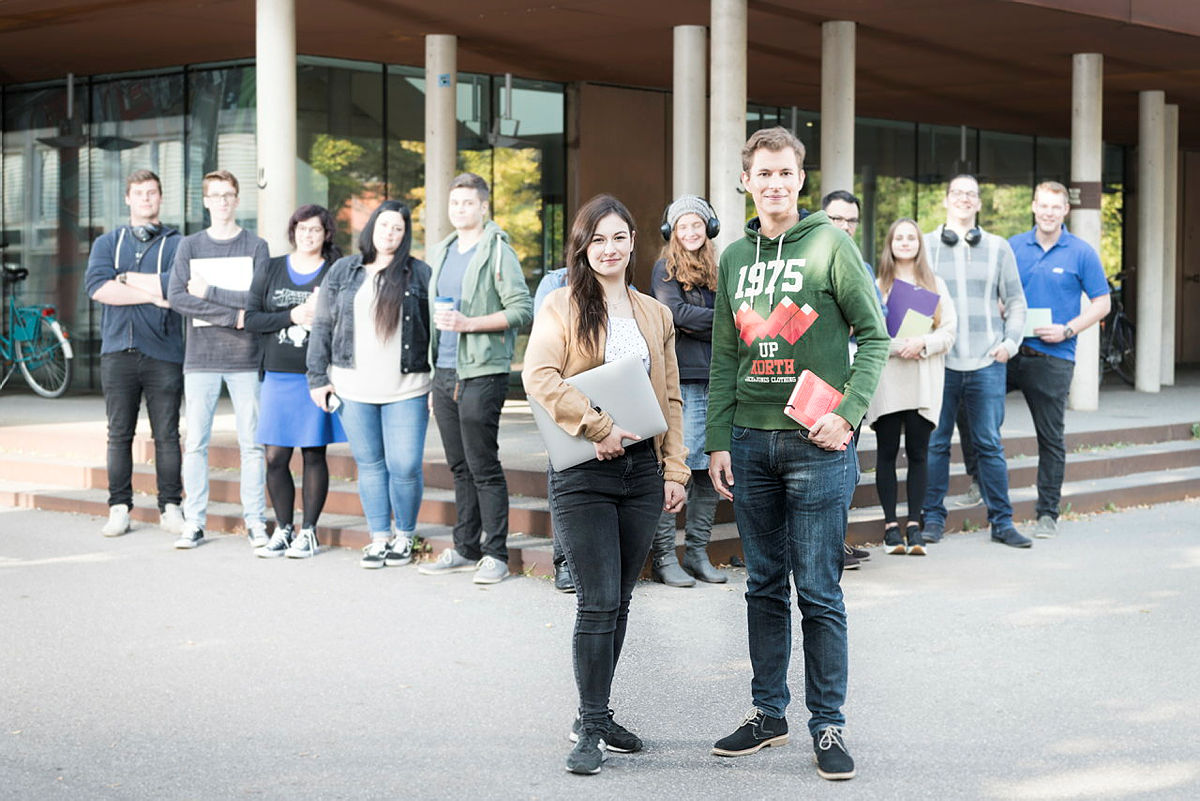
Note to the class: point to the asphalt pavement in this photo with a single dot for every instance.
(129, 670)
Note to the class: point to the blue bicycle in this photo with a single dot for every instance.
(33, 340)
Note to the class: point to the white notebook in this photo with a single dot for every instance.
(621, 388)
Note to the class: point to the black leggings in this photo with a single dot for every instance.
(916, 447)
(283, 489)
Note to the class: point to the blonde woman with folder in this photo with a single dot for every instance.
(605, 510)
(909, 397)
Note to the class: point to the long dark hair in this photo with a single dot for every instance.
(392, 281)
(329, 251)
(586, 292)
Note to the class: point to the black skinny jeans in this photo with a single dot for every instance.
(468, 418)
(126, 376)
(916, 449)
(604, 514)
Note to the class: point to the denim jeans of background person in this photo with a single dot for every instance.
(219, 350)
(369, 347)
(981, 275)
(1056, 269)
(555, 279)
(604, 510)
(471, 354)
(789, 486)
(141, 350)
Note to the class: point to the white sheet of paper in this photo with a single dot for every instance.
(1036, 318)
(914, 324)
(228, 272)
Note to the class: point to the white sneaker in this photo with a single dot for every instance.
(258, 535)
(191, 536)
(303, 545)
(118, 521)
(171, 519)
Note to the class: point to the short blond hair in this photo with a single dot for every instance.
(1055, 187)
(773, 139)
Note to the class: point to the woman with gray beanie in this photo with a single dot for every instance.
(684, 280)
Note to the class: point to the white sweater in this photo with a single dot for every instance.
(917, 383)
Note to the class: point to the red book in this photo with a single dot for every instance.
(811, 400)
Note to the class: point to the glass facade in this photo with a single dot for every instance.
(902, 169)
(360, 138)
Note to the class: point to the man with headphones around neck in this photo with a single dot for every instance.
(141, 350)
(981, 272)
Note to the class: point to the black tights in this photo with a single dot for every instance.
(916, 448)
(283, 488)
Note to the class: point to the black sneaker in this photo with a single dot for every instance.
(849, 560)
(833, 760)
(374, 555)
(916, 542)
(616, 737)
(861, 554)
(1012, 538)
(399, 552)
(893, 543)
(588, 754)
(932, 534)
(757, 731)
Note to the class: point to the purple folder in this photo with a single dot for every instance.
(907, 296)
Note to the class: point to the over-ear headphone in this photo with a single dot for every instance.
(973, 237)
(144, 233)
(712, 226)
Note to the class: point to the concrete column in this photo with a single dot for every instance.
(1170, 220)
(837, 106)
(688, 102)
(275, 119)
(727, 117)
(441, 133)
(1087, 169)
(1150, 197)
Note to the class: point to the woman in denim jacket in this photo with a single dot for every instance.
(368, 358)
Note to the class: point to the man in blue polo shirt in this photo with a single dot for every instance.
(1056, 269)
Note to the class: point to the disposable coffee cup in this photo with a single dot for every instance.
(442, 304)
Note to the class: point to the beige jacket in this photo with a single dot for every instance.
(917, 383)
(554, 353)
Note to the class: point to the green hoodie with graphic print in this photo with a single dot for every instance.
(783, 306)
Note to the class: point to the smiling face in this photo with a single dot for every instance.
(144, 200)
(906, 242)
(310, 236)
(388, 233)
(609, 248)
(962, 201)
(467, 211)
(1049, 211)
(774, 180)
(221, 200)
(689, 230)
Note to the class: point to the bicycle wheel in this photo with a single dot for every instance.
(1124, 354)
(43, 361)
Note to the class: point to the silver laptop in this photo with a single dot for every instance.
(621, 388)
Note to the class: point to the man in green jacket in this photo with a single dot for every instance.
(788, 296)
(479, 299)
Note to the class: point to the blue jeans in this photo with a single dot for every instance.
(604, 515)
(388, 443)
(790, 505)
(201, 391)
(981, 395)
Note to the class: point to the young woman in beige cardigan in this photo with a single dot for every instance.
(909, 397)
(605, 510)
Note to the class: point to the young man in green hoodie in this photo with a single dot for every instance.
(476, 272)
(788, 296)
